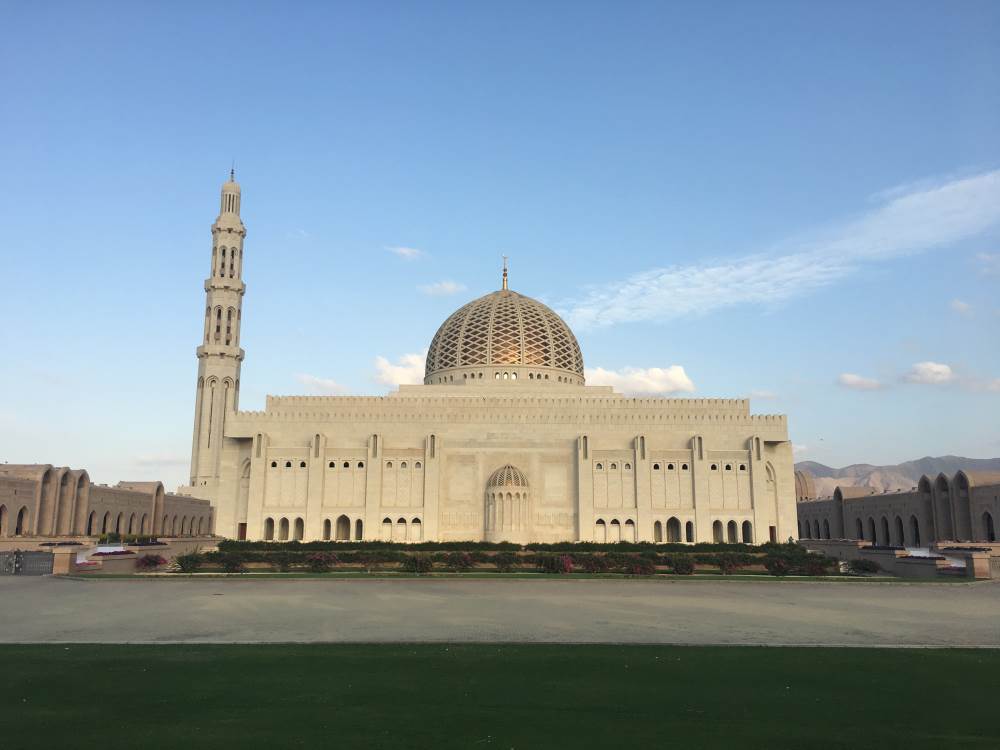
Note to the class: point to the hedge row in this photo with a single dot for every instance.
(779, 560)
(232, 545)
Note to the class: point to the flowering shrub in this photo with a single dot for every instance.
(560, 564)
(777, 566)
(504, 561)
(321, 562)
(640, 566)
(592, 563)
(150, 562)
(459, 561)
(419, 564)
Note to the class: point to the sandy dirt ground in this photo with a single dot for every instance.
(53, 610)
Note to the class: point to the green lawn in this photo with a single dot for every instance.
(470, 696)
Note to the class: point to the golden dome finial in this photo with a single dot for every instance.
(504, 272)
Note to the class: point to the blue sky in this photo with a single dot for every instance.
(799, 202)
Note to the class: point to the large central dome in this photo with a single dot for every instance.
(504, 336)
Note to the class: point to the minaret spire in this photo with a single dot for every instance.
(504, 272)
(220, 355)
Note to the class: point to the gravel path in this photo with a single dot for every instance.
(53, 610)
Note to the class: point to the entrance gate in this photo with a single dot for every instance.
(19, 563)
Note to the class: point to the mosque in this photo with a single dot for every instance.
(504, 441)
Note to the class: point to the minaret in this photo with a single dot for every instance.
(219, 355)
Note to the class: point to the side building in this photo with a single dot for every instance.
(963, 508)
(45, 500)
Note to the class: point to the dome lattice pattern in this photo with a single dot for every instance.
(507, 476)
(504, 328)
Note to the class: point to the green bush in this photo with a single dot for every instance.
(729, 562)
(189, 562)
(281, 561)
(419, 564)
(818, 565)
(504, 562)
(777, 565)
(232, 562)
(861, 567)
(682, 565)
(321, 562)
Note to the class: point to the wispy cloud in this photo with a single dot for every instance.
(962, 308)
(442, 288)
(408, 370)
(929, 373)
(406, 253)
(321, 386)
(858, 382)
(636, 380)
(762, 395)
(912, 219)
(989, 264)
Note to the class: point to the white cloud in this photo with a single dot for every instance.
(642, 380)
(911, 220)
(993, 385)
(406, 253)
(929, 373)
(857, 382)
(989, 264)
(798, 448)
(962, 308)
(442, 288)
(321, 386)
(408, 370)
(763, 395)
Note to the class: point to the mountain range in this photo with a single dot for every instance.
(893, 477)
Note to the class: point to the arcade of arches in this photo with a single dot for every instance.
(41, 500)
(962, 508)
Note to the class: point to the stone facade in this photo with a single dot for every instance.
(504, 389)
(964, 508)
(42, 500)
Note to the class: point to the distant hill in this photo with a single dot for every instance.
(889, 478)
